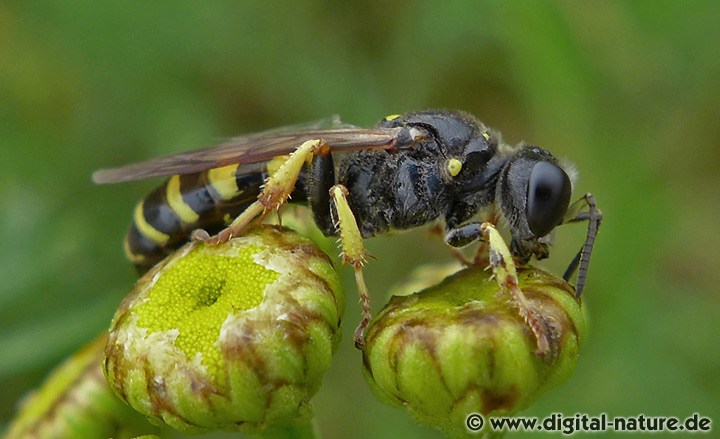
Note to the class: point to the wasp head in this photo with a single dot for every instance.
(534, 194)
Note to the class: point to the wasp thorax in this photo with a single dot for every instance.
(233, 336)
(460, 347)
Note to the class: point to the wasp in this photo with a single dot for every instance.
(435, 166)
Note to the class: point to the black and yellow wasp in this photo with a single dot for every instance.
(410, 170)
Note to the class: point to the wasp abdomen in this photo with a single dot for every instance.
(208, 200)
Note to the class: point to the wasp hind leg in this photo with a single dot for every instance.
(274, 194)
(581, 261)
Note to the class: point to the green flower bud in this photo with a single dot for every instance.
(233, 336)
(460, 347)
(75, 401)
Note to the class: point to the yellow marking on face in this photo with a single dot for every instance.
(454, 166)
(146, 229)
(486, 135)
(134, 258)
(391, 117)
(228, 218)
(176, 202)
(223, 181)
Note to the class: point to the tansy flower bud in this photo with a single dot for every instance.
(460, 347)
(76, 402)
(232, 336)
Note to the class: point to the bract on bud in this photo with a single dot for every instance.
(231, 336)
(461, 347)
(75, 401)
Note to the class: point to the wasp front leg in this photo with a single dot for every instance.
(466, 234)
(274, 194)
(505, 274)
(502, 262)
(455, 252)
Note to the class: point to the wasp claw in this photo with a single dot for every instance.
(199, 235)
(224, 236)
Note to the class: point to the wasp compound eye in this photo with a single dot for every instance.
(548, 197)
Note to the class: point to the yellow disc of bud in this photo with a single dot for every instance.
(231, 336)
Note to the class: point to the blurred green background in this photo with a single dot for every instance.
(629, 91)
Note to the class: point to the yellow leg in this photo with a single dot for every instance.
(505, 274)
(482, 251)
(353, 253)
(275, 193)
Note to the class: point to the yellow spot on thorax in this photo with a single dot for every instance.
(454, 166)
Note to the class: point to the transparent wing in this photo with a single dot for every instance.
(254, 148)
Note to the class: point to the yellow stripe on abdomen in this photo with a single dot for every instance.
(146, 229)
(135, 258)
(223, 181)
(177, 204)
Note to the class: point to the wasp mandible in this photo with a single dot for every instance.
(410, 170)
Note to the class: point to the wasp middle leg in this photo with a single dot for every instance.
(353, 253)
(332, 214)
